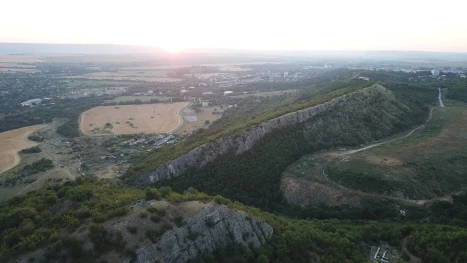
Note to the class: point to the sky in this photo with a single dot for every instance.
(239, 24)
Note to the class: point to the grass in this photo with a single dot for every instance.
(430, 163)
(32, 182)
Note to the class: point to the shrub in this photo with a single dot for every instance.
(165, 191)
(162, 211)
(100, 238)
(179, 220)
(221, 200)
(156, 219)
(143, 215)
(192, 190)
(34, 149)
(151, 209)
(132, 229)
(153, 235)
(152, 193)
(79, 194)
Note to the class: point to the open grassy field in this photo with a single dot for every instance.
(11, 142)
(131, 119)
(35, 181)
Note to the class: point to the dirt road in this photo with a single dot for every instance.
(440, 99)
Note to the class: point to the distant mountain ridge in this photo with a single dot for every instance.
(46, 48)
(49, 48)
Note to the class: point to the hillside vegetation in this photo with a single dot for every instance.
(250, 112)
(254, 176)
(79, 222)
(458, 90)
(398, 168)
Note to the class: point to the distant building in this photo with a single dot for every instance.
(205, 103)
(183, 91)
(31, 102)
(364, 78)
(228, 92)
(286, 74)
(462, 76)
(435, 72)
(150, 91)
(207, 93)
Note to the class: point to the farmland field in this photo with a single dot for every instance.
(11, 142)
(133, 75)
(141, 98)
(132, 119)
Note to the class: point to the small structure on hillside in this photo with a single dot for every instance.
(143, 203)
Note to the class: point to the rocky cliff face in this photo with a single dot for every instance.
(211, 228)
(239, 142)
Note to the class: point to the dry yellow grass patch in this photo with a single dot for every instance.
(11, 142)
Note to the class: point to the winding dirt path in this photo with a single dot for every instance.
(348, 153)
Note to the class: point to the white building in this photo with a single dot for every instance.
(228, 92)
(31, 102)
(435, 72)
(364, 78)
(286, 74)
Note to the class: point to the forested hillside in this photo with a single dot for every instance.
(458, 91)
(78, 222)
(254, 176)
(249, 113)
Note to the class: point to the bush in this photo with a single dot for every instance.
(165, 191)
(100, 238)
(192, 190)
(132, 229)
(152, 193)
(179, 220)
(74, 246)
(151, 209)
(35, 138)
(34, 149)
(153, 235)
(143, 215)
(156, 219)
(162, 211)
(79, 194)
(221, 200)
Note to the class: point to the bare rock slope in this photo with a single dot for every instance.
(213, 227)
